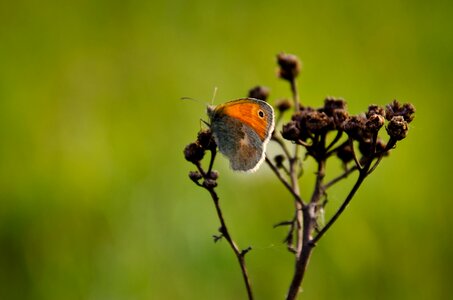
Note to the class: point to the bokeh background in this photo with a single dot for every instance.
(95, 202)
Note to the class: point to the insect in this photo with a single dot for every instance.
(242, 129)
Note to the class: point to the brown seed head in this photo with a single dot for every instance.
(345, 153)
(366, 147)
(354, 126)
(206, 140)
(283, 105)
(193, 152)
(259, 92)
(375, 109)
(291, 131)
(279, 159)
(317, 122)
(397, 128)
(195, 176)
(210, 183)
(213, 175)
(289, 66)
(332, 104)
(407, 111)
(380, 147)
(338, 117)
(374, 123)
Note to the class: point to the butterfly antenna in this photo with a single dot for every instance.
(194, 100)
(213, 95)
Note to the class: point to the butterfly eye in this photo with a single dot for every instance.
(261, 114)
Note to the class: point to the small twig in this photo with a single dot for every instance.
(283, 180)
(283, 223)
(332, 151)
(360, 179)
(376, 164)
(335, 140)
(226, 234)
(200, 169)
(309, 222)
(290, 235)
(342, 176)
(282, 144)
(356, 160)
(278, 119)
(211, 162)
(390, 145)
(209, 183)
(302, 143)
(295, 93)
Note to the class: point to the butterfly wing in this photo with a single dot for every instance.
(242, 129)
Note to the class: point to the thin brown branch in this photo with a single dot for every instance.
(303, 255)
(295, 94)
(342, 176)
(360, 179)
(283, 180)
(309, 222)
(335, 140)
(211, 162)
(209, 184)
(240, 254)
(282, 144)
(356, 160)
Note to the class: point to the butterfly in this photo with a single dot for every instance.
(242, 129)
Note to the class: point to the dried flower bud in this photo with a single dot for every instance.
(317, 122)
(375, 109)
(397, 128)
(279, 159)
(298, 116)
(291, 131)
(195, 175)
(283, 105)
(354, 126)
(209, 183)
(331, 104)
(366, 148)
(381, 146)
(213, 175)
(345, 153)
(338, 117)
(306, 109)
(406, 110)
(259, 92)
(193, 152)
(206, 140)
(374, 123)
(289, 66)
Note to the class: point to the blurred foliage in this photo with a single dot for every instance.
(95, 199)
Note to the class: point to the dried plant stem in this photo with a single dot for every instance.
(364, 171)
(240, 254)
(282, 179)
(340, 210)
(299, 205)
(295, 94)
(305, 246)
(342, 176)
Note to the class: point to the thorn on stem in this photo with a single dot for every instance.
(245, 251)
(217, 237)
(283, 223)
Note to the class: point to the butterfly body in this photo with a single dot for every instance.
(242, 128)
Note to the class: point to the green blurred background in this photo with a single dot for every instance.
(95, 202)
